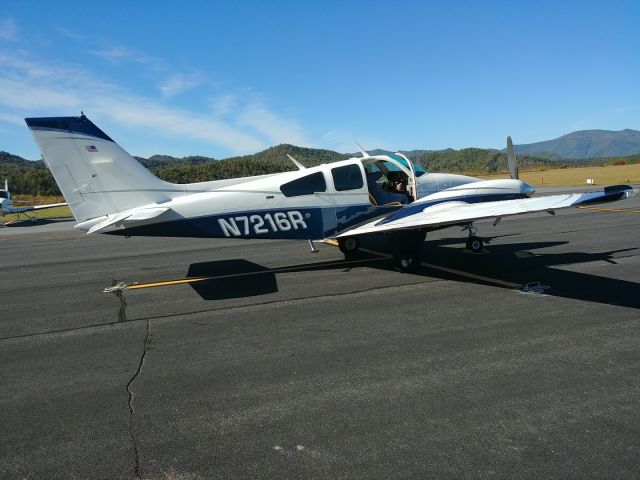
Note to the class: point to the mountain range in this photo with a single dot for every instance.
(580, 145)
(586, 144)
(582, 148)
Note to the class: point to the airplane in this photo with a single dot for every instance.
(110, 192)
(7, 206)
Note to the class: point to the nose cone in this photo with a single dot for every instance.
(527, 189)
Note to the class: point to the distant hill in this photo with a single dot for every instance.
(8, 158)
(26, 176)
(32, 177)
(160, 161)
(586, 144)
(409, 153)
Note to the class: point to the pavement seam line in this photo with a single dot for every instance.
(132, 429)
(215, 310)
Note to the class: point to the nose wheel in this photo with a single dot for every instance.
(474, 243)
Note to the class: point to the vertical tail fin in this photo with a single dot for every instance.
(96, 176)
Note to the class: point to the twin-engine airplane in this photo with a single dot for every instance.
(108, 191)
(7, 206)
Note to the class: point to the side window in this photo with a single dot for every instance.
(305, 186)
(348, 177)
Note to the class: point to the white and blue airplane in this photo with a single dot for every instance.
(7, 206)
(109, 191)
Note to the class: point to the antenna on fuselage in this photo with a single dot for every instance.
(296, 162)
(362, 150)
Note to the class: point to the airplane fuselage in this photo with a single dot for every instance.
(268, 208)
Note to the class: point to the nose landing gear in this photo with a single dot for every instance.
(474, 243)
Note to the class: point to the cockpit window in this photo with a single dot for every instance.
(305, 186)
(419, 171)
(348, 177)
(3, 194)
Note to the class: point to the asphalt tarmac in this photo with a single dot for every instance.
(274, 362)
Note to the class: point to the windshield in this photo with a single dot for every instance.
(387, 166)
(3, 194)
(393, 168)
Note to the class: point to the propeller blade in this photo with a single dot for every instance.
(511, 159)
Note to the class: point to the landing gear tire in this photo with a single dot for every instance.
(406, 264)
(349, 246)
(475, 244)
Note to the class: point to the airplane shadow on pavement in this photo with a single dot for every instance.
(516, 264)
(232, 279)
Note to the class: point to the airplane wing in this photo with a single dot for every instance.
(422, 214)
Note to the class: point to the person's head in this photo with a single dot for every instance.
(399, 185)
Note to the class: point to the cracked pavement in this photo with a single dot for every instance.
(137, 471)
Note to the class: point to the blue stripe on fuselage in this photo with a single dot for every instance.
(291, 223)
(284, 223)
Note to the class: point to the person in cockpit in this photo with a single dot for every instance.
(382, 196)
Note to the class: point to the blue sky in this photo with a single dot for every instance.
(228, 78)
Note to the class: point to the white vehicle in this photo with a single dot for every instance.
(108, 191)
(7, 206)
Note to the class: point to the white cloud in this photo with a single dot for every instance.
(65, 32)
(344, 142)
(179, 83)
(119, 54)
(31, 86)
(223, 104)
(625, 109)
(339, 141)
(9, 30)
(12, 119)
(276, 129)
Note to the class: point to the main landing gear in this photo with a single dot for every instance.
(474, 243)
(406, 246)
(349, 246)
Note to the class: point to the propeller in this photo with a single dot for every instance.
(511, 160)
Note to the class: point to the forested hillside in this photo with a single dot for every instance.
(26, 176)
(33, 178)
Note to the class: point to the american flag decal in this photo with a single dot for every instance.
(91, 148)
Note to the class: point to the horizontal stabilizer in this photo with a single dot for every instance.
(51, 205)
(122, 219)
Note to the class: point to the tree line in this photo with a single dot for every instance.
(33, 178)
